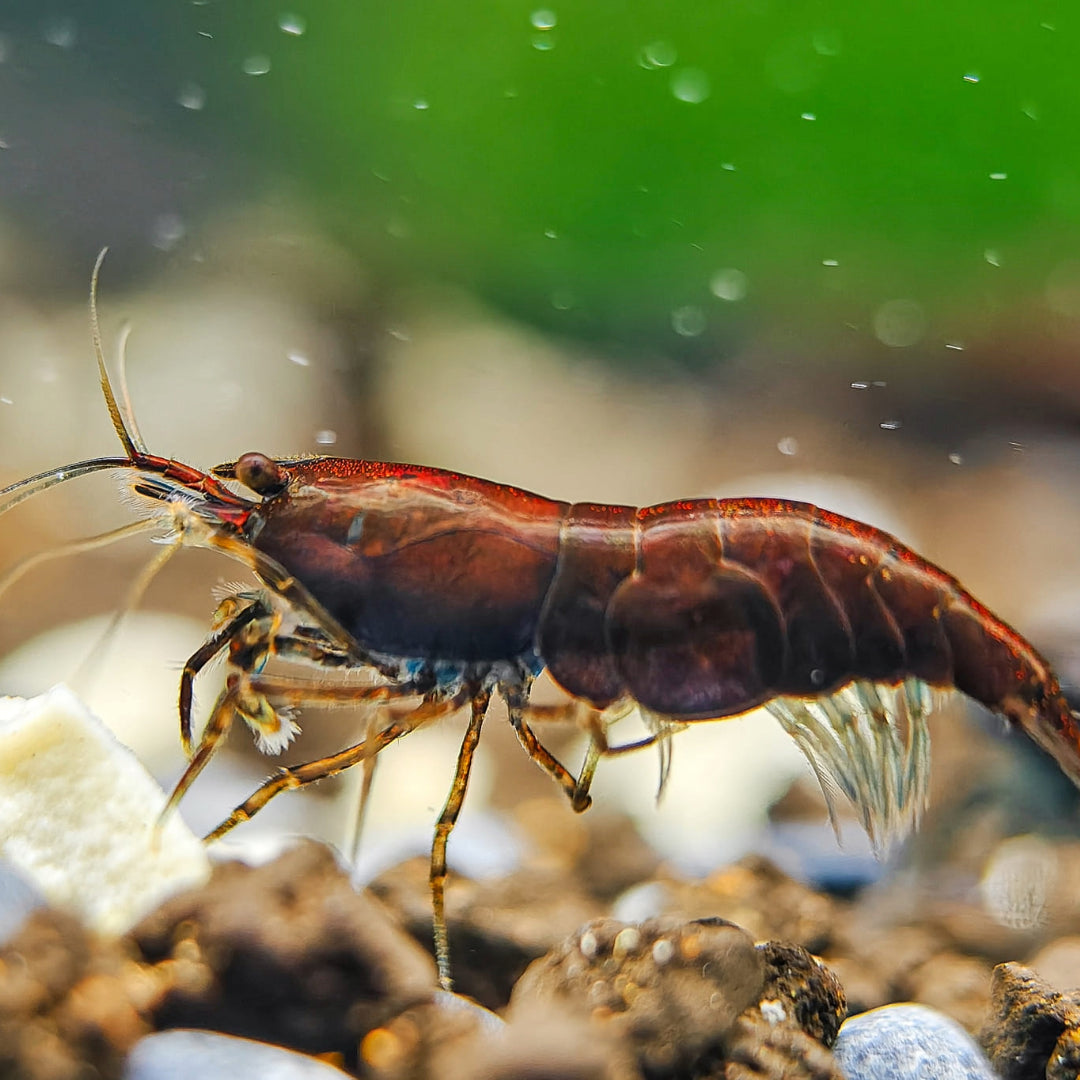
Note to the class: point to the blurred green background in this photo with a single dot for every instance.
(663, 180)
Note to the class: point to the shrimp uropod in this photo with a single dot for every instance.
(449, 589)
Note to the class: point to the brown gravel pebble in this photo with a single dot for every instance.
(811, 994)
(958, 986)
(756, 894)
(288, 952)
(763, 1051)
(69, 1005)
(672, 988)
(1027, 1021)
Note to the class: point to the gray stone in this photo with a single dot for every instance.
(908, 1042)
(183, 1053)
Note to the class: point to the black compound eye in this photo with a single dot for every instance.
(260, 473)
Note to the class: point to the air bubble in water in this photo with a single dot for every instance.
(168, 230)
(326, 437)
(256, 65)
(60, 32)
(788, 446)
(291, 23)
(192, 96)
(728, 284)
(688, 321)
(690, 85)
(543, 19)
(658, 54)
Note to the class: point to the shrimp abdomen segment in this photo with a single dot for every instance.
(708, 608)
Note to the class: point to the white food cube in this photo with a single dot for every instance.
(78, 815)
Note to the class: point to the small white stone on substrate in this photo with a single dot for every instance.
(209, 1055)
(78, 814)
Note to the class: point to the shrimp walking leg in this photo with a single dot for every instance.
(444, 826)
(248, 696)
(219, 639)
(517, 707)
(296, 776)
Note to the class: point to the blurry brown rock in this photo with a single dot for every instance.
(288, 953)
(497, 927)
(69, 1004)
(755, 894)
(761, 1050)
(1031, 1027)
(958, 986)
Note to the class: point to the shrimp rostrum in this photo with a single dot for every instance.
(450, 589)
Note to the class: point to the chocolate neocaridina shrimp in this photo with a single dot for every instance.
(450, 589)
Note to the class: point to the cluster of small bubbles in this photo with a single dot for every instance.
(999, 176)
(899, 323)
(60, 32)
(956, 459)
(192, 96)
(167, 231)
(326, 437)
(728, 284)
(562, 300)
(291, 23)
(299, 359)
(830, 262)
(657, 54)
(992, 256)
(551, 234)
(690, 85)
(808, 116)
(421, 105)
(259, 64)
(827, 43)
(788, 446)
(544, 41)
(890, 425)
(971, 77)
(688, 321)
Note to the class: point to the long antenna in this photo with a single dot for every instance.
(106, 387)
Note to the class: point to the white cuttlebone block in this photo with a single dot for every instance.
(78, 813)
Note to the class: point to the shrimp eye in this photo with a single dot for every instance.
(260, 473)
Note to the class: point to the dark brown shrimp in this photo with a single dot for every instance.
(450, 589)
